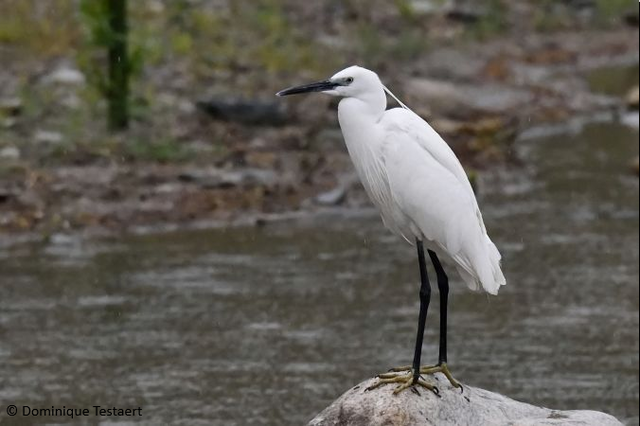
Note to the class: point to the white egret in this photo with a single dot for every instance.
(423, 195)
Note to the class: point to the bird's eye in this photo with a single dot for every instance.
(349, 80)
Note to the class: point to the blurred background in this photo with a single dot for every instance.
(172, 236)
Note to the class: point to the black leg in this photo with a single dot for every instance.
(425, 298)
(443, 289)
(412, 380)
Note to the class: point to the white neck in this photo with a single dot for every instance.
(357, 118)
(361, 131)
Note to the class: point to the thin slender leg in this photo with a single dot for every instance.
(410, 375)
(412, 378)
(425, 299)
(443, 290)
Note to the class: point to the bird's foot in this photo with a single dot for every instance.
(440, 368)
(406, 380)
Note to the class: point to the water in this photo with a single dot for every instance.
(268, 325)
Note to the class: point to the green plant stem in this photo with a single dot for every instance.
(118, 86)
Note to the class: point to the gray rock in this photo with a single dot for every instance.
(467, 12)
(10, 106)
(67, 76)
(47, 137)
(220, 178)
(496, 98)
(7, 193)
(9, 153)
(631, 119)
(249, 111)
(332, 197)
(474, 406)
(7, 122)
(426, 7)
(10, 109)
(439, 95)
(447, 97)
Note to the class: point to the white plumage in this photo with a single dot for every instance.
(413, 177)
(423, 194)
(416, 181)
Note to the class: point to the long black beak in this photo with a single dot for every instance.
(319, 86)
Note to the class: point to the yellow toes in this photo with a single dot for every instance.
(406, 381)
(404, 376)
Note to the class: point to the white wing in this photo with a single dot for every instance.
(431, 188)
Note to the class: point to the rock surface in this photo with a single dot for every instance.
(249, 111)
(66, 76)
(474, 406)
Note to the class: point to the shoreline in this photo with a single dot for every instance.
(260, 219)
(271, 171)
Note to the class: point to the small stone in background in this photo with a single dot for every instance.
(10, 107)
(630, 119)
(9, 153)
(68, 76)
(47, 137)
(332, 197)
(468, 13)
(248, 111)
(71, 101)
(7, 122)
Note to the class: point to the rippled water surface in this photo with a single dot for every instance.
(268, 325)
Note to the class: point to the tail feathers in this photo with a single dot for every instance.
(496, 278)
(486, 272)
(471, 281)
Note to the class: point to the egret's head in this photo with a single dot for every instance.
(354, 82)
